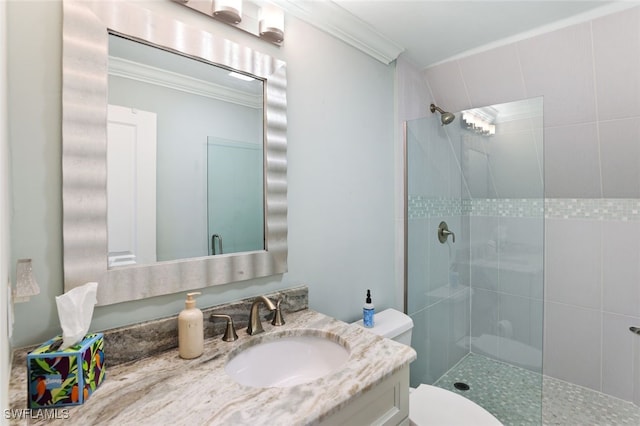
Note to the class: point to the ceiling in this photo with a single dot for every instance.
(431, 31)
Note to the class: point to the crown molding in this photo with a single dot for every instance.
(338, 22)
(136, 71)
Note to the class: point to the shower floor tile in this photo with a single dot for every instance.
(513, 395)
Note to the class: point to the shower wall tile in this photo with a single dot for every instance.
(559, 66)
(440, 337)
(448, 88)
(440, 257)
(461, 311)
(439, 333)
(457, 185)
(620, 152)
(485, 313)
(617, 356)
(440, 168)
(514, 318)
(573, 264)
(520, 322)
(522, 280)
(621, 267)
(572, 344)
(572, 161)
(483, 268)
(432, 159)
(616, 47)
(514, 173)
(418, 273)
(412, 89)
(524, 232)
(419, 338)
(521, 257)
(488, 84)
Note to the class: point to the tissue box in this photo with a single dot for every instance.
(58, 378)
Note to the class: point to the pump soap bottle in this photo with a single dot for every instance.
(368, 311)
(190, 329)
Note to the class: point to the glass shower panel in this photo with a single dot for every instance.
(506, 227)
(477, 303)
(438, 296)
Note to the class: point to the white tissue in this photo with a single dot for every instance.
(75, 309)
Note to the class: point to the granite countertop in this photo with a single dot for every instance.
(165, 388)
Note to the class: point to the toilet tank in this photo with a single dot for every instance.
(392, 324)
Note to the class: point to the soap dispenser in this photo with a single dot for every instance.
(190, 329)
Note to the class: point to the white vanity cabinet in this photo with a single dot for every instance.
(386, 403)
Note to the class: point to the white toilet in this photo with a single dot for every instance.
(430, 405)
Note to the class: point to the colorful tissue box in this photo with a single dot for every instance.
(58, 378)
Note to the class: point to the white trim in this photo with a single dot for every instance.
(147, 74)
(338, 22)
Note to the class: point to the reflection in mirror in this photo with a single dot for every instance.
(120, 234)
(186, 101)
(234, 196)
(502, 150)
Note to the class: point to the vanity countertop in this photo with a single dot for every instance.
(165, 388)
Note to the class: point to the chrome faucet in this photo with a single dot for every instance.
(255, 325)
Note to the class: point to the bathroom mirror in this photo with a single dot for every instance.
(192, 135)
(86, 30)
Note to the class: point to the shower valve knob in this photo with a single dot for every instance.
(443, 233)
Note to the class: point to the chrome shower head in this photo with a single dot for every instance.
(445, 117)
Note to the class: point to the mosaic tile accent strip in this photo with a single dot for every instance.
(623, 209)
(424, 207)
(421, 206)
(505, 207)
(516, 396)
(620, 209)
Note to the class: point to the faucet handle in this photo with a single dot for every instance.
(230, 333)
(277, 316)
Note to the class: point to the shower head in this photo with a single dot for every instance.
(445, 117)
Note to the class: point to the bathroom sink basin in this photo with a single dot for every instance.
(287, 361)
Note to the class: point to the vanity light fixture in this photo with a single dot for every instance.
(229, 11)
(271, 23)
(26, 285)
(258, 17)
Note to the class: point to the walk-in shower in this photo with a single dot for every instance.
(476, 297)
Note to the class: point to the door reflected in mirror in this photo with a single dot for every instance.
(184, 157)
(234, 196)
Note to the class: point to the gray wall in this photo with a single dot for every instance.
(589, 75)
(341, 181)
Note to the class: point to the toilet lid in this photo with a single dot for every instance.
(434, 406)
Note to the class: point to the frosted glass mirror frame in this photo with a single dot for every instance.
(84, 149)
